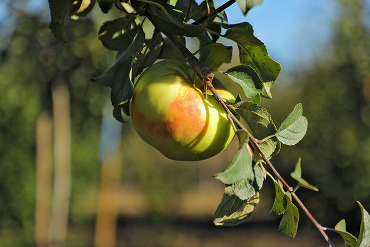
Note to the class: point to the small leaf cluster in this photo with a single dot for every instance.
(244, 177)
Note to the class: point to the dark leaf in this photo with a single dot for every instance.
(119, 33)
(211, 38)
(166, 12)
(122, 109)
(105, 5)
(188, 30)
(59, 11)
(234, 211)
(198, 11)
(107, 79)
(122, 89)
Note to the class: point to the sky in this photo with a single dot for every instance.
(290, 29)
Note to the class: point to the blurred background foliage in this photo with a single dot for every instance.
(154, 191)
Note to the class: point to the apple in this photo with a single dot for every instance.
(170, 112)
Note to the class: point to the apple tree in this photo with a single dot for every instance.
(167, 25)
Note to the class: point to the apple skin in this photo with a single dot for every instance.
(171, 114)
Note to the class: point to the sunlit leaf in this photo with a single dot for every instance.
(289, 222)
(242, 177)
(340, 228)
(363, 239)
(214, 55)
(247, 79)
(252, 52)
(240, 168)
(119, 33)
(85, 8)
(294, 127)
(234, 211)
(260, 125)
(246, 5)
(297, 175)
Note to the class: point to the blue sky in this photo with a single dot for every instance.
(294, 31)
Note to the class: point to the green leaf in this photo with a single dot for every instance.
(242, 177)
(239, 169)
(364, 236)
(105, 5)
(119, 33)
(246, 5)
(187, 30)
(297, 175)
(260, 125)
(199, 11)
(120, 77)
(243, 136)
(166, 12)
(340, 228)
(155, 49)
(247, 79)
(211, 37)
(85, 8)
(289, 222)
(279, 206)
(252, 52)
(59, 11)
(122, 89)
(294, 127)
(221, 19)
(214, 55)
(169, 50)
(234, 211)
(107, 79)
(121, 109)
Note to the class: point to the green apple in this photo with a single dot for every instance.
(170, 112)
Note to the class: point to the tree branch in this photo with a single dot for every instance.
(207, 76)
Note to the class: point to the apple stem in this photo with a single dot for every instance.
(207, 76)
